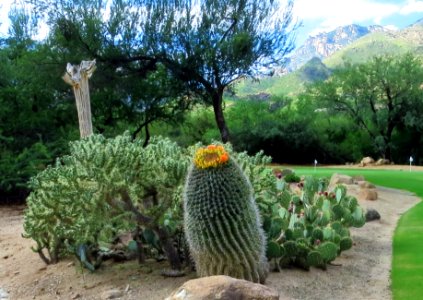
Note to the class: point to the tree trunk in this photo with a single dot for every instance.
(147, 136)
(219, 117)
(169, 249)
(388, 138)
(77, 77)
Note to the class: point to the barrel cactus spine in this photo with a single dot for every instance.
(222, 222)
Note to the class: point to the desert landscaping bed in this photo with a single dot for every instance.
(359, 273)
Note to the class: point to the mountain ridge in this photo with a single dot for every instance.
(378, 42)
(325, 44)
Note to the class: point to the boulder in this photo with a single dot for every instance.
(340, 179)
(365, 185)
(367, 161)
(367, 194)
(372, 214)
(223, 288)
(382, 161)
(358, 178)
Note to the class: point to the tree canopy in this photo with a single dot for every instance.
(380, 96)
(205, 45)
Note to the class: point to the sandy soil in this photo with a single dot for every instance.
(364, 273)
(365, 269)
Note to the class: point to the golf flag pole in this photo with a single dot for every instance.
(315, 165)
(411, 161)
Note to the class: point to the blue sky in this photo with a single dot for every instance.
(319, 15)
(325, 15)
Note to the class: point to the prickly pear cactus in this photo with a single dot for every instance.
(310, 228)
(222, 222)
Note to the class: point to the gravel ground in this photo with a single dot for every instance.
(363, 274)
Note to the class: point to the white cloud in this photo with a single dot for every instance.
(4, 15)
(335, 13)
(412, 6)
(391, 27)
(5, 6)
(357, 10)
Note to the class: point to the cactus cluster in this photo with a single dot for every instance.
(309, 228)
(222, 223)
(78, 203)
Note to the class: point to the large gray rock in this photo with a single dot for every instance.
(367, 161)
(340, 179)
(365, 185)
(372, 214)
(223, 288)
(367, 194)
(358, 178)
(382, 161)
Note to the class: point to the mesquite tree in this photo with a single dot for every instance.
(77, 77)
(207, 45)
(381, 96)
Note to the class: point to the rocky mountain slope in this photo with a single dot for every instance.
(325, 44)
(327, 51)
(409, 39)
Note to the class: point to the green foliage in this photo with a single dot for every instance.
(380, 96)
(292, 178)
(222, 223)
(204, 47)
(311, 228)
(290, 84)
(378, 43)
(102, 188)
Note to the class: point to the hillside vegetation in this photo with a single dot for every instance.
(290, 84)
(361, 50)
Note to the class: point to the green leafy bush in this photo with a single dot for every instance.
(290, 178)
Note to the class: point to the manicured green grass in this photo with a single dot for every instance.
(407, 264)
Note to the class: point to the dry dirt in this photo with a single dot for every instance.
(363, 274)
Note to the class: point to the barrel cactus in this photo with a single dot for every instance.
(222, 222)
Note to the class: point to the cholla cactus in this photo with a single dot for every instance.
(222, 222)
(104, 187)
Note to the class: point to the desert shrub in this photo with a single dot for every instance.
(292, 178)
(105, 187)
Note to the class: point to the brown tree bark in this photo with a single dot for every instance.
(219, 117)
(77, 76)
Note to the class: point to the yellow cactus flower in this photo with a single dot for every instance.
(211, 156)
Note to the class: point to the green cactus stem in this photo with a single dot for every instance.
(222, 222)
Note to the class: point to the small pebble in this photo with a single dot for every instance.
(112, 294)
(3, 294)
